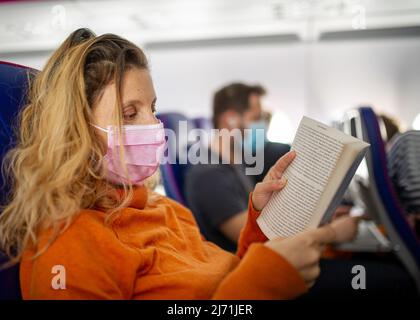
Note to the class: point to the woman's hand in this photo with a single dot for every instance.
(273, 181)
(304, 250)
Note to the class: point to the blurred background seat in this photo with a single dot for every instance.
(390, 212)
(386, 246)
(388, 231)
(203, 123)
(13, 88)
(173, 171)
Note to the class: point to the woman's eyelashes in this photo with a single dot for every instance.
(130, 113)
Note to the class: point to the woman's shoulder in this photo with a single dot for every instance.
(88, 233)
(94, 260)
(86, 224)
(165, 203)
(156, 200)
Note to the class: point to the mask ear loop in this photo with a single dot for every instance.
(99, 128)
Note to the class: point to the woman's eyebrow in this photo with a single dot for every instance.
(129, 102)
(136, 101)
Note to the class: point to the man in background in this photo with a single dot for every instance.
(218, 194)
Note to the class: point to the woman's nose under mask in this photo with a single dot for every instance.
(143, 147)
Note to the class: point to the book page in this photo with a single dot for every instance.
(289, 211)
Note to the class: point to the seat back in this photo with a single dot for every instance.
(13, 89)
(177, 149)
(390, 212)
(203, 123)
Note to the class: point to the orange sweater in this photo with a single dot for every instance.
(154, 250)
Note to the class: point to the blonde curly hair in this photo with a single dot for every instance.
(56, 168)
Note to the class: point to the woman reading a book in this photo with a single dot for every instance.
(82, 220)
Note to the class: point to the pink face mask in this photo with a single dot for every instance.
(143, 150)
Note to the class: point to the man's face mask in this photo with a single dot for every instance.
(255, 136)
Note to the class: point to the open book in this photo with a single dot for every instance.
(326, 160)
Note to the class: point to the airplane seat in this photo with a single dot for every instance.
(390, 267)
(13, 88)
(390, 212)
(203, 123)
(173, 172)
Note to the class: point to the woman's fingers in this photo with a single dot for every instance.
(304, 250)
(342, 229)
(273, 181)
(310, 274)
(263, 191)
(322, 235)
(345, 228)
(270, 186)
(280, 166)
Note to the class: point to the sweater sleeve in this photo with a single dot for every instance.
(251, 232)
(261, 274)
